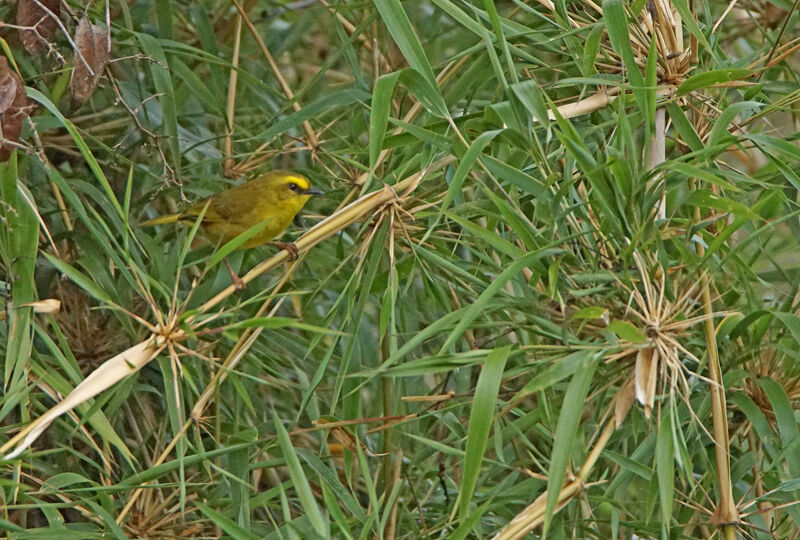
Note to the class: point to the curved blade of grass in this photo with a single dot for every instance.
(399, 26)
(82, 147)
(225, 523)
(617, 26)
(300, 482)
(568, 423)
(480, 423)
(379, 114)
(665, 466)
(20, 243)
(159, 69)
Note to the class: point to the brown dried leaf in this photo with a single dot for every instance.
(91, 58)
(13, 106)
(622, 405)
(645, 374)
(37, 40)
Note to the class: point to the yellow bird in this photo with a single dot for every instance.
(274, 199)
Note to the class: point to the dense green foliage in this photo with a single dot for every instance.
(475, 332)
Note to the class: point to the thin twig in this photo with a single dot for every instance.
(313, 142)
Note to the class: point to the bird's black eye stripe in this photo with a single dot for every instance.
(293, 186)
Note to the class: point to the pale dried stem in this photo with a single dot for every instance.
(657, 156)
(313, 142)
(233, 79)
(111, 371)
(726, 513)
(595, 102)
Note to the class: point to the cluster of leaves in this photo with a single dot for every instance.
(444, 358)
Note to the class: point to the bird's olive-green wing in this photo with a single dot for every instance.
(233, 205)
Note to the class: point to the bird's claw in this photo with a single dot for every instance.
(289, 247)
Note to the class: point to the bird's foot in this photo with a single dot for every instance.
(289, 247)
(237, 281)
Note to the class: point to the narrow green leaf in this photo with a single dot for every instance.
(79, 278)
(627, 331)
(399, 26)
(480, 423)
(591, 312)
(590, 49)
(720, 128)
(687, 17)
(379, 113)
(225, 523)
(568, 424)
(665, 466)
(82, 147)
(684, 127)
(300, 482)
(556, 372)
(785, 418)
(710, 78)
(160, 70)
(617, 26)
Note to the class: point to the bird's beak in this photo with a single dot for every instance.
(314, 191)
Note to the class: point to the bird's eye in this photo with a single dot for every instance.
(293, 186)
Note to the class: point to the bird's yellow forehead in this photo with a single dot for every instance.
(299, 180)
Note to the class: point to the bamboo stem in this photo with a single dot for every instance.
(657, 156)
(726, 515)
(233, 79)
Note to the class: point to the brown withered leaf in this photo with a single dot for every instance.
(43, 26)
(13, 107)
(91, 58)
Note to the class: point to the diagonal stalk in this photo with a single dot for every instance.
(726, 514)
(534, 514)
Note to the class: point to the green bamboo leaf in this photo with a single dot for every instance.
(19, 246)
(711, 78)
(338, 99)
(300, 482)
(617, 26)
(399, 26)
(566, 429)
(91, 161)
(79, 278)
(225, 523)
(692, 171)
(160, 70)
(590, 49)
(684, 127)
(379, 113)
(687, 17)
(557, 371)
(665, 466)
(591, 312)
(530, 95)
(480, 423)
(720, 128)
(279, 322)
(627, 331)
(706, 199)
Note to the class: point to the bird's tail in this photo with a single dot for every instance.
(160, 220)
